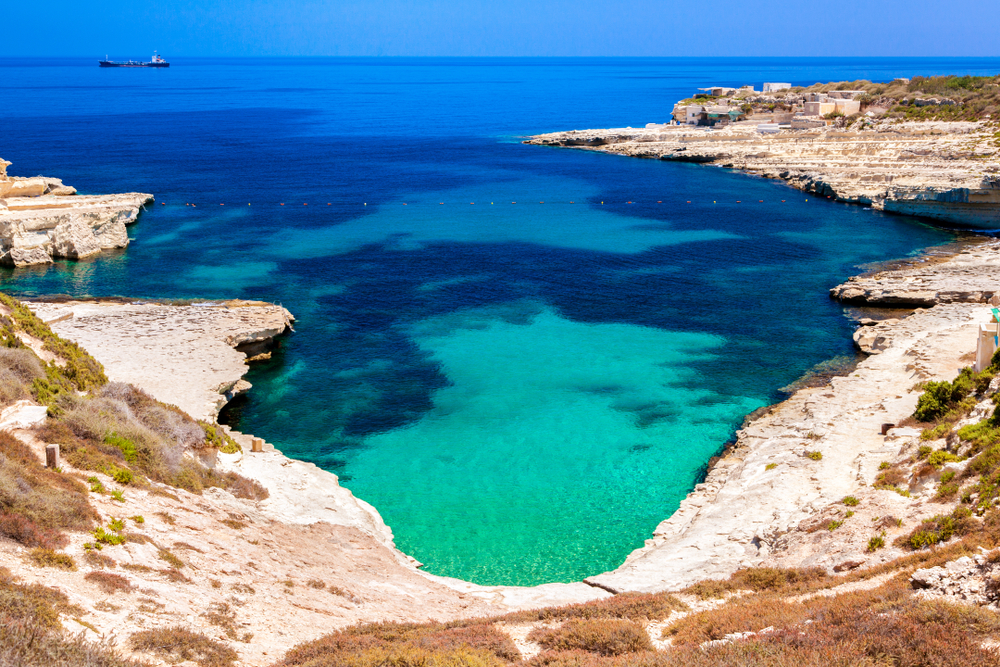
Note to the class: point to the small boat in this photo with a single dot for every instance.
(157, 61)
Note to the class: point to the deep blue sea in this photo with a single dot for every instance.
(523, 390)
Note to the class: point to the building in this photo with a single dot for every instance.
(775, 87)
(848, 107)
(718, 91)
(819, 108)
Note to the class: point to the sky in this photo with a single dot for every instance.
(179, 28)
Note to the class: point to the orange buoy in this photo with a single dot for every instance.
(282, 203)
(221, 204)
(304, 204)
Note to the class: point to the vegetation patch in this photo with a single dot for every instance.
(43, 557)
(604, 636)
(178, 644)
(941, 528)
(109, 582)
(459, 644)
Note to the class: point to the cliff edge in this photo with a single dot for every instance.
(41, 220)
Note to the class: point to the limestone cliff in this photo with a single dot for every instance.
(42, 219)
(948, 171)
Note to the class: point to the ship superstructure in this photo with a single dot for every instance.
(157, 61)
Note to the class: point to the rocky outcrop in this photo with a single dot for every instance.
(971, 276)
(41, 219)
(974, 580)
(183, 355)
(948, 171)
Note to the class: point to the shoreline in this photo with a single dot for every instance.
(325, 485)
(939, 170)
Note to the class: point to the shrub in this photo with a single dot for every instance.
(37, 503)
(758, 579)
(22, 529)
(939, 457)
(108, 582)
(850, 501)
(876, 543)
(941, 398)
(635, 606)
(48, 558)
(476, 643)
(941, 528)
(118, 495)
(178, 644)
(815, 456)
(606, 636)
(171, 559)
(99, 560)
(834, 525)
(102, 536)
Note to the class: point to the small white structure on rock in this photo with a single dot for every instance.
(987, 342)
(774, 87)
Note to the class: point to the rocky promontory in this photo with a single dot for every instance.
(948, 171)
(41, 220)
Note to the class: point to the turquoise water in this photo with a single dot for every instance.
(523, 390)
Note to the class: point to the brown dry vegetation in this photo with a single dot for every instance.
(30, 631)
(975, 96)
(108, 582)
(178, 643)
(604, 636)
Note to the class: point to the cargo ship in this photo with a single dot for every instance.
(157, 61)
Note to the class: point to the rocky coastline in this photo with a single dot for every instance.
(42, 220)
(946, 171)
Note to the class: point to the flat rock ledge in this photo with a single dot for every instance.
(948, 171)
(41, 220)
(189, 356)
(971, 276)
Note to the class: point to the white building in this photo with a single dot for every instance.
(774, 87)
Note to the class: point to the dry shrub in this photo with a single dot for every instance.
(758, 579)
(49, 558)
(178, 643)
(406, 656)
(651, 606)
(99, 560)
(19, 367)
(572, 659)
(37, 503)
(606, 636)
(174, 575)
(475, 643)
(124, 427)
(109, 582)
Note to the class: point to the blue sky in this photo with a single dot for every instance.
(133, 28)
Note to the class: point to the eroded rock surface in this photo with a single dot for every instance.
(40, 220)
(948, 171)
(971, 276)
(182, 355)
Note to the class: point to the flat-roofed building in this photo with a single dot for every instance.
(775, 87)
(819, 108)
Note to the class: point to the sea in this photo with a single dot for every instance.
(524, 357)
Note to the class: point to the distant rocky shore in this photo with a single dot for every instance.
(947, 171)
(41, 220)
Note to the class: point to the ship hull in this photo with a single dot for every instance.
(105, 63)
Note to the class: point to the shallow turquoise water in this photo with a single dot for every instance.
(523, 390)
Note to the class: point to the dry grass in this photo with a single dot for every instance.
(651, 606)
(170, 559)
(109, 582)
(36, 503)
(178, 644)
(604, 636)
(787, 581)
(99, 560)
(48, 558)
(476, 643)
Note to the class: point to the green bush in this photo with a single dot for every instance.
(940, 398)
(850, 501)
